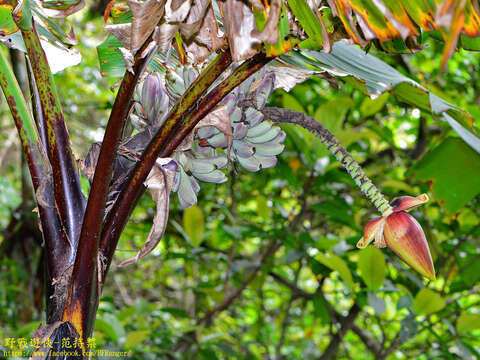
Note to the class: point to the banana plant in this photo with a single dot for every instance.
(195, 78)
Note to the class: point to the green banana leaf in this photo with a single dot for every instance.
(377, 77)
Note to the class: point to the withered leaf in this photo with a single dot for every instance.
(191, 24)
(286, 77)
(201, 33)
(128, 58)
(146, 16)
(177, 11)
(239, 23)
(87, 166)
(269, 34)
(43, 193)
(163, 37)
(122, 32)
(218, 118)
(175, 4)
(43, 333)
(346, 9)
(159, 182)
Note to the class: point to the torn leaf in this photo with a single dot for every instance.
(287, 77)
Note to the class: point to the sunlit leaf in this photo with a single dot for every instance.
(428, 301)
(110, 326)
(468, 322)
(396, 24)
(370, 106)
(7, 25)
(337, 210)
(194, 224)
(321, 310)
(451, 169)
(332, 113)
(372, 267)
(62, 8)
(135, 338)
(336, 263)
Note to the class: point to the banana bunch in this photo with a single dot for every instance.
(255, 142)
(179, 80)
(199, 163)
(151, 103)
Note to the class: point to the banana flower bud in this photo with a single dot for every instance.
(402, 234)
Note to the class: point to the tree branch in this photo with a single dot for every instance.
(269, 252)
(346, 323)
(287, 314)
(295, 290)
(371, 343)
(186, 339)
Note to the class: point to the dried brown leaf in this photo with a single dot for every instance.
(128, 58)
(122, 32)
(175, 4)
(239, 23)
(43, 333)
(177, 12)
(87, 166)
(286, 77)
(159, 182)
(269, 34)
(44, 199)
(218, 118)
(146, 16)
(197, 53)
(201, 33)
(187, 142)
(193, 22)
(163, 37)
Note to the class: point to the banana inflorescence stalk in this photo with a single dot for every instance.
(341, 154)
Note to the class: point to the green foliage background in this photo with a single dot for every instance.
(274, 272)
